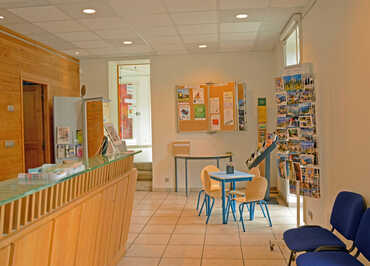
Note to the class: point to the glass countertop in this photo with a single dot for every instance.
(16, 188)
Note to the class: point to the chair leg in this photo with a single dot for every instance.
(233, 204)
(199, 194)
(210, 208)
(263, 212)
(268, 213)
(204, 203)
(241, 208)
(228, 208)
(291, 258)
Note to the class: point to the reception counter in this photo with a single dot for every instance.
(80, 220)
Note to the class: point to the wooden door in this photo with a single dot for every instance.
(34, 146)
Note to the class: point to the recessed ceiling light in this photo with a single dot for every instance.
(89, 11)
(241, 16)
(128, 42)
(77, 53)
(202, 46)
(2, 17)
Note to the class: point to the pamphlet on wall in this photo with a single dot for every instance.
(184, 111)
(63, 135)
(215, 122)
(214, 105)
(183, 95)
(228, 108)
(199, 111)
(198, 96)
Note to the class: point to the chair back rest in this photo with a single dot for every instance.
(255, 171)
(205, 178)
(256, 188)
(363, 235)
(346, 214)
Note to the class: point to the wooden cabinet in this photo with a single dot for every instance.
(66, 230)
(34, 248)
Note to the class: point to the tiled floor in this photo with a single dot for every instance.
(167, 231)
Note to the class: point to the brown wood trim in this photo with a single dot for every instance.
(38, 44)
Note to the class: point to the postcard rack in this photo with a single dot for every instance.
(211, 107)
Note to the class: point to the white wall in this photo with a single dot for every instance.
(336, 40)
(166, 72)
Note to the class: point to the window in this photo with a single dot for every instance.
(292, 48)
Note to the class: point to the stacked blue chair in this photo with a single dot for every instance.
(325, 256)
(345, 217)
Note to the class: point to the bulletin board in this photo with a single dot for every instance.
(192, 108)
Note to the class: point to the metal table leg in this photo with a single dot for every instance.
(175, 174)
(223, 203)
(186, 176)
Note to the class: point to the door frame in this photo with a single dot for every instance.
(46, 117)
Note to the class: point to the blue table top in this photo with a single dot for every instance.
(236, 176)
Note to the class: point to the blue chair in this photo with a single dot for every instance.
(345, 217)
(325, 256)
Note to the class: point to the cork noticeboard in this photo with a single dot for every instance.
(227, 99)
(192, 108)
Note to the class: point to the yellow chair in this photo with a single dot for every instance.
(212, 190)
(254, 193)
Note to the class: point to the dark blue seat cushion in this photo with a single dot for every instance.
(327, 258)
(363, 235)
(310, 238)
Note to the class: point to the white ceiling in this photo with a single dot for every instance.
(156, 27)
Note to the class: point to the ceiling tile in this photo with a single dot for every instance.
(103, 23)
(51, 40)
(119, 43)
(190, 18)
(168, 47)
(74, 10)
(190, 5)
(149, 19)
(200, 38)
(157, 31)
(235, 4)
(198, 29)
(41, 13)
(25, 28)
(127, 7)
(236, 44)
(92, 44)
(72, 52)
(78, 36)
(240, 27)
(238, 36)
(22, 3)
(254, 15)
(166, 40)
(117, 34)
(289, 3)
(61, 26)
(9, 17)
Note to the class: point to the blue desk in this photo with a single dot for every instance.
(222, 177)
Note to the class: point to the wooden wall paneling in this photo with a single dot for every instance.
(105, 226)
(65, 238)
(33, 248)
(89, 225)
(95, 126)
(5, 256)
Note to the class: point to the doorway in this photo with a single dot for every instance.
(35, 127)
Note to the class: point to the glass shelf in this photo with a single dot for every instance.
(15, 188)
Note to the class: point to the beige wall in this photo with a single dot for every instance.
(167, 71)
(337, 40)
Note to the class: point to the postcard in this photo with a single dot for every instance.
(293, 121)
(307, 134)
(305, 109)
(307, 159)
(293, 133)
(293, 110)
(293, 82)
(307, 147)
(294, 146)
(282, 168)
(295, 157)
(308, 81)
(297, 171)
(292, 187)
(290, 170)
(293, 97)
(282, 133)
(282, 146)
(308, 174)
(281, 122)
(305, 121)
(281, 109)
(281, 98)
(279, 84)
(307, 95)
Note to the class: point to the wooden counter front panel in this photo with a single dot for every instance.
(4, 256)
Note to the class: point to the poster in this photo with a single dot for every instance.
(199, 111)
(214, 104)
(184, 111)
(198, 96)
(215, 122)
(228, 108)
(261, 110)
(126, 94)
(183, 95)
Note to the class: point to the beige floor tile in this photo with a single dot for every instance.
(152, 239)
(190, 212)
(159, 229)
(191, 220)
(131, 237)
(256, 239)
(139, 212)
(222, 252)
(133, 261)
(179, 262)
(222, 229)
(177, 251)
(136, 228)
(253, 252)
(140, 219)
(265, 263)
(220, 262)
(190, 229)
(222, 240)
(167, 213)
(146, 251)
(187, 239)
(163, 220)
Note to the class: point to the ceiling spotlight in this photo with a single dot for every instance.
(241, 16)
(128, 42)
(202, 46)
(89, 11)
(77, 53)
(2, 17)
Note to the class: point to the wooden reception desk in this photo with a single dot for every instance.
(81, 220)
